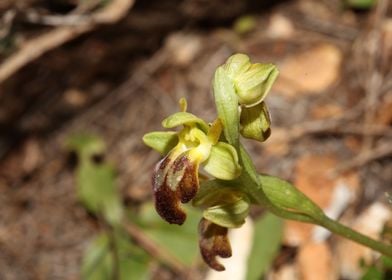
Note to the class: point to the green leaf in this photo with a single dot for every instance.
(133, 269)
(96, 187)
(85, 145)
(98, 192)
(133, 261)
(266, 244)
(251, 183)
(183, 118)
(248, 166)
(386, 262)
(98, 263)
(180, 241)
(227, 105)
(373, 273)
(161, 141)
(223, 162)
(284, 195)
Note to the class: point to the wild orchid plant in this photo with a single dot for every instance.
(232, 183)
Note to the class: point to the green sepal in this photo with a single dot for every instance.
(223, 203)
(223, 162)
(184, 118)
(230, 215)
(286, 196)
(253, 85)
(161, 141)
(255, 122)
(211, 192)
(226, 102)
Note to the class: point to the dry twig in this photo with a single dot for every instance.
(36, 47)
(155, 250)
(6, 23)
(329, 28)
(374, 79)
(381, 151)
(341, 125)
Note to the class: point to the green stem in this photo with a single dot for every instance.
(353, 235)
(257, 193)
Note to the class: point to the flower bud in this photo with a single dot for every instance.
(252, 82)
(255, 122)
(237, 64)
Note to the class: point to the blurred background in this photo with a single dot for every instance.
(93, 76)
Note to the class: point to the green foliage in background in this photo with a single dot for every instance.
(360, 4)
(114, 257)
(244, 24)
(181, 242)
(379, 270)
(95, 180)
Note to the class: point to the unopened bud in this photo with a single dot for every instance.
(255, 122)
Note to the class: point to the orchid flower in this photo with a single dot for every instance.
(176, 176)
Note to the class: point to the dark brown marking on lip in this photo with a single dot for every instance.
(213, 242)
(167, 205)
(189, 183)
(167, 200)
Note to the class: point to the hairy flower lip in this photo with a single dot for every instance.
(189, 183)
(174, 181)
(213, 242)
